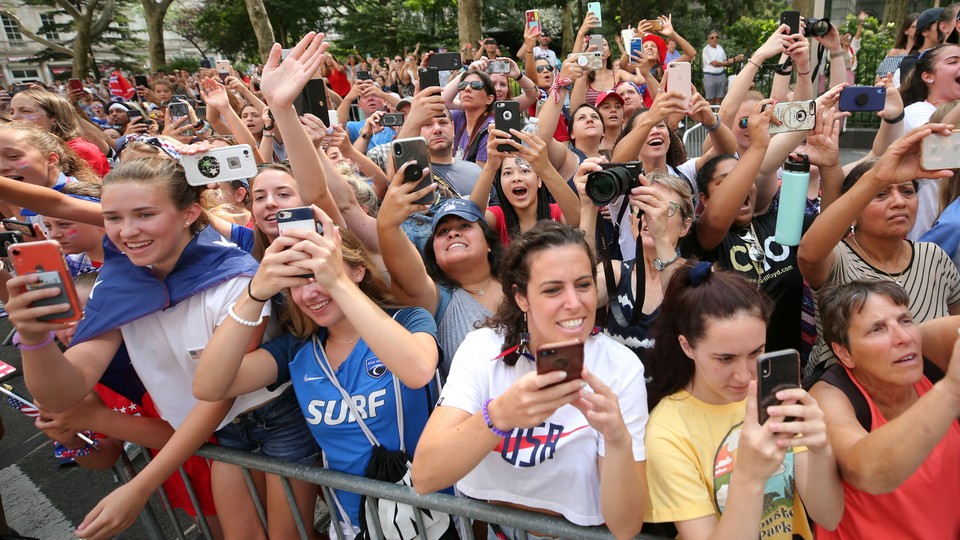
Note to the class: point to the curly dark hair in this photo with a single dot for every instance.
(515, 276)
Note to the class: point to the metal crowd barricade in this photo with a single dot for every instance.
(464, 508)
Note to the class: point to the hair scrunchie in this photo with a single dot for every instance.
(699, 273)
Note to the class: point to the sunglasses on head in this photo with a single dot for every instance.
(541, 69)
(742, 123)
(473, 85)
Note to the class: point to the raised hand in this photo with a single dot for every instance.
(281, 83)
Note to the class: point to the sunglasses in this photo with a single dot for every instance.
(473, 85)
(541, 69)
(742, 123)
(713, 37)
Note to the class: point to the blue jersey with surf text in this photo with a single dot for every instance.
(370, 384)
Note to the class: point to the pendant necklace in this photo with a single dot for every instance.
(870, 262)
(479, 291)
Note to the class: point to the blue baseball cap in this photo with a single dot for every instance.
(463, 208)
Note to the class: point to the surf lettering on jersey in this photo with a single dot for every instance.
(336, 412)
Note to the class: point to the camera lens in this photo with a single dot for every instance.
(246, 152)
(605, 186)
(397, 150)
(507, 115)
(801, 116)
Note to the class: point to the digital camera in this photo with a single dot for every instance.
(816, 27)
(614, 180)
(220, 165)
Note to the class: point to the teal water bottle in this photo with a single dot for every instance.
(793, 200)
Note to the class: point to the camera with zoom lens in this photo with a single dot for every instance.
(817, 27)
(614, 180)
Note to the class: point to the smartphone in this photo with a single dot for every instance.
(22, 227)
(223, 69)
(498, 66)
(791, 19)
(565, 356)
(45, 259)
(363, 75)
(776, 371)
(506, 116)
(938, 152)
(594, 7)
(220, 165)
(795, 116)
(655, 25)
(678, 74)
(313, 100)
(591, 61)
(445, 61)
(636, 48)
(391, 119)
(301, 217)
(596, 42)
(627, 35)
(533, 21)
(134, 113)
(414, 149)
(140, 80)
(75, 84)
(429, 77)
(178, 110)
(7, 239)
(863, 98)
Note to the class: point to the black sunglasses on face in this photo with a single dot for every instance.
(474, 85)
(541, 69)
(742, 123)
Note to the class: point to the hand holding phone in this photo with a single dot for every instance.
(565, 356)
(776, 371)
(45, 260)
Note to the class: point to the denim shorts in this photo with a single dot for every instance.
(275, 429)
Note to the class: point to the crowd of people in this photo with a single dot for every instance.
(418, 316)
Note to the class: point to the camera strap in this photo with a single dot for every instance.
(820, 50)
(639, 273)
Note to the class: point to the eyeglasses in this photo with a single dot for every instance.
(672, 208)
(713, 37)
(742, 123)
(473, 85)
(541, 69)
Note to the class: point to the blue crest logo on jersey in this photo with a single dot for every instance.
(375, 367)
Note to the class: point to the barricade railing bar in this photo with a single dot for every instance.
(465, 508)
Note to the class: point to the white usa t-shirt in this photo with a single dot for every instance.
(553, 466)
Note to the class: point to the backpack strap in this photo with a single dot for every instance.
(838, 377)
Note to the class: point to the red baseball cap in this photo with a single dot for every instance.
(609, 93)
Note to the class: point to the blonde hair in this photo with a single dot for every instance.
(373, 284)
(66, 123)
(949, 188)
(679, 185)
(166, 173)
(47, 143)
(366, 197)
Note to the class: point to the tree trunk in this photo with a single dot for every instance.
(895, 12)
(261, 27)
(469, 23)
(568, 33)
(155, 12)
(81, 50)
(805, 7)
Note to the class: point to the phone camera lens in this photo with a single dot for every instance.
(246, 153)
(397, 150)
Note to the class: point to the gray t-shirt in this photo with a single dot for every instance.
(457, 311)
(461, 174)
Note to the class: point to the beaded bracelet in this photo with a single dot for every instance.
(25, 347)
(486, 418)
(233, 315)
(62, 451)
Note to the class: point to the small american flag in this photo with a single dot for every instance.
(24, 407)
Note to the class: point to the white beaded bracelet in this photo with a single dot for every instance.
(233, 315)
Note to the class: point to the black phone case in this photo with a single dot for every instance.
(776, 371)
(429, 77)
(445, 61)
(507, 117)
(313, 100)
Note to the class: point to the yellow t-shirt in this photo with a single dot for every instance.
(691, 451)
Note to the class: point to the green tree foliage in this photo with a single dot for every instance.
(224, 25)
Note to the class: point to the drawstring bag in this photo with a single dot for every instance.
(397, 521)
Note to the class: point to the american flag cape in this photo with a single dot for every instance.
(124, 293)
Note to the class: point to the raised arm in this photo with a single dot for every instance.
(667, 30)
(238, 85)
(727, 198)
(409, 280)
(281, 84)
(900, 163)
(532, 149)
(215, 96)
(49, 202)
(665, 104)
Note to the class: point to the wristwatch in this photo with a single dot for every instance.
(662, 265)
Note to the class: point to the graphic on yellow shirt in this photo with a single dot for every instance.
(777, 515)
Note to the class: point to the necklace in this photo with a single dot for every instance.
(345, 341)
(870, 262)
(479, 291)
